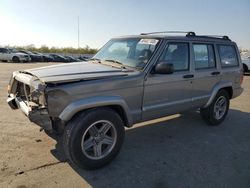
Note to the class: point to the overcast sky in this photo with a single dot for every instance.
(54, 22)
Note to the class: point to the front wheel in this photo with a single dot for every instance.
(16, 59)
(93, 138)
(217, 111)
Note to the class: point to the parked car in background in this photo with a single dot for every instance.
(83, 58)
(34, 57)
(58, 58)
(71, 59)
(246, 63)
(46, 58)
(7, 54)
(130, 80)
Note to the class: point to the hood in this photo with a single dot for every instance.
(75, 71)
(38, 55)
(20, 53)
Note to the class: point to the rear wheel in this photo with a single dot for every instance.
(16, 59)
(245, 68)
(93, 138)
(217, 111)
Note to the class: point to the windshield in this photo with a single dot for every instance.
(13, 50)
(132, 52)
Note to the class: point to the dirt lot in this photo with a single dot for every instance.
(180, 151)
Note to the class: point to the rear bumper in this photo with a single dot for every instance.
(237, 92)
(37, 116)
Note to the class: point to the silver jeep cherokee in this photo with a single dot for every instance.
(130, 80)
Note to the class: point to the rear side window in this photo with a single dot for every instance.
(228, 56)
(204, 56)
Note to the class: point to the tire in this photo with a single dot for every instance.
(209, 113)
(81, 132)
(245, 68)
(16, 59)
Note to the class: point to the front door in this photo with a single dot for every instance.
(166, 94)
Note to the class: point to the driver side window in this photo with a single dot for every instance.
(176, 53)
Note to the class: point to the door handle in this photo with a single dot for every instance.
(188, 76)
(215, 73)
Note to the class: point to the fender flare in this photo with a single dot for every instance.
(83, 104)
(215, 90)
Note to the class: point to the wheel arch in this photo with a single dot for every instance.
(222, 85)
(14, 56)
(113, 102)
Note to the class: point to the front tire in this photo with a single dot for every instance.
(16, 59)
(93, 138)
(217, 111)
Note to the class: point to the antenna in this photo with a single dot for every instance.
(78, 36)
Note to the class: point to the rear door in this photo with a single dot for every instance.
(166, 94)
(207, 71)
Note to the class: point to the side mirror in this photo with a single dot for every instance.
(163, 68)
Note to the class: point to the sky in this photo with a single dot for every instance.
(54, 22)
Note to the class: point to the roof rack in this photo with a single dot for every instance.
(188, 33)
(215, 36)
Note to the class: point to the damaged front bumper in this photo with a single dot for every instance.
(35, 115)
(26, 92)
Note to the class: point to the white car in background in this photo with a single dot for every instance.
(246, 63)
(13, 56)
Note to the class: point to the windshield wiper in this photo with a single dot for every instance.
(113, 61)
(95, 59)
(116, 62)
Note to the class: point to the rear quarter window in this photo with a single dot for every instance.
(228, 56)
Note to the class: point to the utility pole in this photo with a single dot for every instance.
(78, 31)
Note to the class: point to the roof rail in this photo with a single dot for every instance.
(215, 36)
(188, 33)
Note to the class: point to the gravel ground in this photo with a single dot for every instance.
(176, 151)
